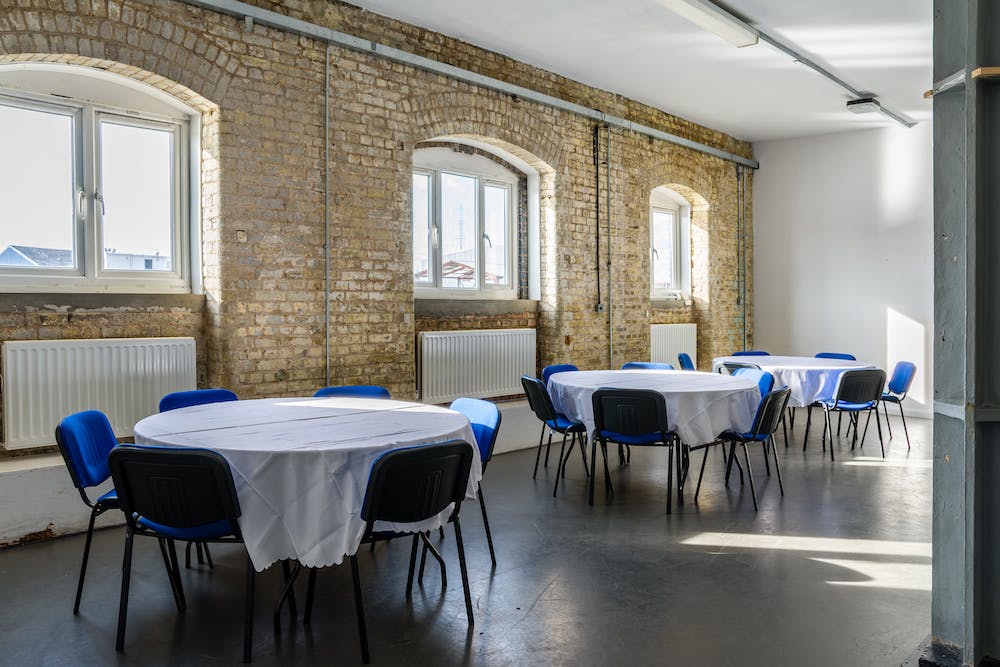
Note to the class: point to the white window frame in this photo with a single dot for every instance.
(89, 275)
(461, 166)
(665, 200)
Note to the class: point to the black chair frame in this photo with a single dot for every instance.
(854, 386)
(406, 486)
(633, 412)
(179, 488)
(541, 404)
(769, 415)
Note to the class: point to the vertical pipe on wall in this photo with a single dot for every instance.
(741, 268)
(326, 211)
(596, 149)
(611, 282)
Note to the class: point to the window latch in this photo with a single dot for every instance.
(486, 237)
(99, 198)
(656, 255)
(81, 204)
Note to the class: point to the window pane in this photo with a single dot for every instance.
(664, 253)
(137, 186)
(36, 188)
(496, 213)
(459, 236)
(421, 228)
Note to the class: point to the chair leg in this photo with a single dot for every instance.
(287, 593)
(701, 474)
(729, 462)
(548, 448)
(311, 594)
(170, 573)
(607, 471)
(176, 572)
(840, 421)
(885, 409)
(784, 429)
(359, 609)
(767, 463)
(559, 466)
(864, 433)
(670, 474)
(437, 556)
(593, 470)
(86, 557)
(829, 426)
(805, 438)
(777, 470)
(208, 556)
(286, 569)
(413, 564)
(583, 452)
(680, 476)
(538, 455)
(464, 570)
(486, 521)
(753, 491)
(123, 600)
(248, 613)
(902, 417)
(187, 555)
(878, 425)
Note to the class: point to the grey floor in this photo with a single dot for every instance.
(835, 573)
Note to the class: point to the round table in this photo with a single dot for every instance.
(301, 465)
(809, 378)
(700, 406)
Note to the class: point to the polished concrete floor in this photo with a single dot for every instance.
(835, 573)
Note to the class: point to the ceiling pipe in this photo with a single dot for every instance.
(314, 31)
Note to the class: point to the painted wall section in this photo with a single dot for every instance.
(843, 248)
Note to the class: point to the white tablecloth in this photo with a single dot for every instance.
(809, 378)
(700, 406)
(301, 465)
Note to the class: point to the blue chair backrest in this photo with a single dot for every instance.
(836, 355)
(85, 439)
(485, 419)
(556, 368)
(902, 377)
(354, 391)
(650, 365)
(184, 399)
(764, 380)
(685, 361)
(751, 353)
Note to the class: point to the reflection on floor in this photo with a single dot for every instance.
(835, 573)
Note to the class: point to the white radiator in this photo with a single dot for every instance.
(666, 341)
(46, 380)
(478, 364)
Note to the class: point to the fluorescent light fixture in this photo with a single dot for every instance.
(709, 16)
(864, 105)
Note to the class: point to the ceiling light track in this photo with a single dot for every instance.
(714, 18)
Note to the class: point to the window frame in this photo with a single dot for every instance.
(674, 291)
(433, 289)
(89, 275)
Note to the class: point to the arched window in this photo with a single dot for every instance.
(465, 237)
(669, 245)
(96, 180)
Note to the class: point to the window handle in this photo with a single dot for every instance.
(81, 204)
(656, 255)
(434, 237)
(486, 237)
(99, 198)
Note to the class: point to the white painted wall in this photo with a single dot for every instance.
(843, 249)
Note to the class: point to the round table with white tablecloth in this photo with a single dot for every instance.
(301, 465)
(809, 378)
(700, 406)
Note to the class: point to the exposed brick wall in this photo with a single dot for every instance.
(261, 95)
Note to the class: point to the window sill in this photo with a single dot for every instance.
(34, 301)
(427, 307)
(670, 303)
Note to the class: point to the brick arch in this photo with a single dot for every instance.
(486, 117)
(181, 93)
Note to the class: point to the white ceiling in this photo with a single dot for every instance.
(642, 50)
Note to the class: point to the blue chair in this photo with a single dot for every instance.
(684, 359)
(485, 419)
(764, 380)
(633, 417)
(857, 391)
(84, 440)
(354, 391)
(648, 365)
(751, 353)
(541, 404)
(548, 372)
(899, 385)
(836, 355)
(410, 485)
(177, 493)
(765, 423)
(184, 399)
